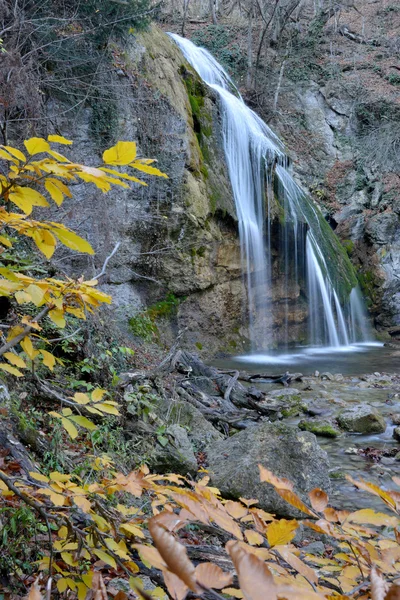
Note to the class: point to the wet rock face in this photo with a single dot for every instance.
(284, 450)
(361, 419)
(319, 427)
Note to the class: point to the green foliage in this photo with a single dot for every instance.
(144, 324)
(19, 526)
(143, 327)
(220, 40)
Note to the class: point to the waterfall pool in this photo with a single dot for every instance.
(351, 360)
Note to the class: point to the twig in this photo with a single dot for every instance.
(26, 331)
(103, 270)
(66, 337)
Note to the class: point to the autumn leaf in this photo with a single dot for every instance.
(278, 482)
(255, 578)
(209, 575)
(121, 154)
(281, 532)
(173, 553)
(319, 499)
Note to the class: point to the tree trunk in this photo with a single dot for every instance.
(213, 12)
(249, 77)
(185, 11)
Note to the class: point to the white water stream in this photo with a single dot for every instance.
(255, 156)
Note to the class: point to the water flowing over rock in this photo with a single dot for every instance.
(310, 257)
(288, 452)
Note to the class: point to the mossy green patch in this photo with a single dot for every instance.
(321, 428)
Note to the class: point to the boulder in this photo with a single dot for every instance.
(361, 419)
(396, 433)
(319, 427)
(284, 450)
(177, 455)
(396, 419)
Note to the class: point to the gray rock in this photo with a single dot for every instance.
(200, 431)
(284, 450)
(361, 419)
(396, 419)
(327, 375)
(177, 456)
(315, 548)
(396, 433)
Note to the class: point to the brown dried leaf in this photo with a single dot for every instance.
(255, 579)
(235, 509)
(379, 587)
(319, 499)
(393, 593)
(298, 565)
(209, 575)
(170, 520)
(34, 592)
(173, 553)
(278, 482)
(98, 587)
(150, 555)
(175, 586)
(295, 501)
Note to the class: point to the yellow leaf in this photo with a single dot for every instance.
(109, 560)
(84, 422)
(83, 503)
(9, 369)
(63, 532)
(82, 590)
(48, 359)
(5, 241)
(281, 532)
(277, 482)
(28, 348)
(253, 537)
(54, 192)
(69, 427)
(62, 585)
(369, 516)
(61, 477)
(35, 145)
(57, 499)
(57, 316)
(149, 170)
(38, 476)
(132, 529)
(15, 359)
(33, 196)
(73, 241)
(118, 549)
(295, 501)
(121, 154)
(233, 592)
(98, 394)
(15, 152)
(81, 398)
(68, 559)
(36, 293)
(59, 139)
(45, 241)
(105, 407)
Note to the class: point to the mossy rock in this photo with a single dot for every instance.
(321, 428)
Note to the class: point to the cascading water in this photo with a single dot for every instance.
(256, 162)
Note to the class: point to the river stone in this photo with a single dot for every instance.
(292, 404)
(361, 419)
(396, 419)
(396, 433)
(284, 450)
(319, 427)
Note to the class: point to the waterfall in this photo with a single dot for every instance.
(256, 164)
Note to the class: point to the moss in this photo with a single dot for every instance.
(348, 245)
(322, 428)
(199, 346)
(294, 407)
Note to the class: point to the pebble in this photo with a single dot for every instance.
(387, 460)
(396, 433)
(397, 457)
(316, 374)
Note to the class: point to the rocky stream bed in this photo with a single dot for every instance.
(313, 429)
